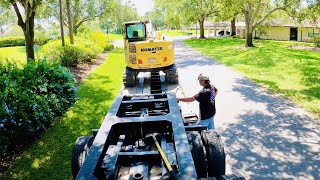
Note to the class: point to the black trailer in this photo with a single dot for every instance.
(122, 147)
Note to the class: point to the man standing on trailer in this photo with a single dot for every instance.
(206, 99)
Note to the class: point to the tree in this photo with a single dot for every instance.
(118, 14)
(257, 11)
(170, 12)
(26, 19)
(70, 22)
(89, 10)
(189, 10)
(313, 11)
(199, 10)
(61, 22)
(81, 11)
(156, 17)
(228, 10)
(6, 19)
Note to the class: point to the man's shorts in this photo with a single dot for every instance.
(208, 122)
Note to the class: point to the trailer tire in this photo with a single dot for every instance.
(197, 152)
(216, 158)
(231, 177)
(79, 152)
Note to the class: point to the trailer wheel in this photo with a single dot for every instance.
(129, 78)
(231, 177)
(216, 158)
(79, 153)
(196, 148)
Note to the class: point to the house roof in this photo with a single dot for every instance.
(213, 24)
(289, 23)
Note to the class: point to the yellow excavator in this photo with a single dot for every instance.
(145, 54)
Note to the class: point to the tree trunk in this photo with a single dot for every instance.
(249, 28)
(70, 22)
(76, 16)
(61, 24)
(29, 36)
(233, 26)
(201, 23)
(27, 27)
(249, 40)
(29, 45)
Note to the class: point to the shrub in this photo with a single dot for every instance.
(70, 55)
(316, 40)
(99, 38)
(30, 100)
(108, 47)
(92, 48)
(41, 41)
(12, 41)
(20, 41)
(236, 36)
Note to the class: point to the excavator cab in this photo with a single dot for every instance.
(144, 54)
(136, 32)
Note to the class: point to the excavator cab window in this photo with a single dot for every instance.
(136, 31)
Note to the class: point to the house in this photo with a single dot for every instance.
(277, 30)
(213, 28)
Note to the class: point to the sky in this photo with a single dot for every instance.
(142, 6)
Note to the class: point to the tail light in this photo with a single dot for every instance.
(139, 61)
(165, 59)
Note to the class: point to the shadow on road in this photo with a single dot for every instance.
(281, 140)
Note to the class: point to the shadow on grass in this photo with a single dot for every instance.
(310, 93)
(311, 74)
(232, 52)
(279, 142)
(50, 156)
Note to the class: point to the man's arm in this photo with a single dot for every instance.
(187, 99)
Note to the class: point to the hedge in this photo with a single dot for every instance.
(20, 41)
(30, 100)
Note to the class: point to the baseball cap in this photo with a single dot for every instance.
(203, 77)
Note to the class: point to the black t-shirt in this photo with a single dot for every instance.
(206, 99)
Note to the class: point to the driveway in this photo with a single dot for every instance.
(265, 136)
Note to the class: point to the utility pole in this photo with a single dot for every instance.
(61, 24)
(70, 22)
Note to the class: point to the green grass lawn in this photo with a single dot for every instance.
(50, 156)
(291, 72)
(113, 37)
(15, 54)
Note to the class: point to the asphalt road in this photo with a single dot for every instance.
(265, 136)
